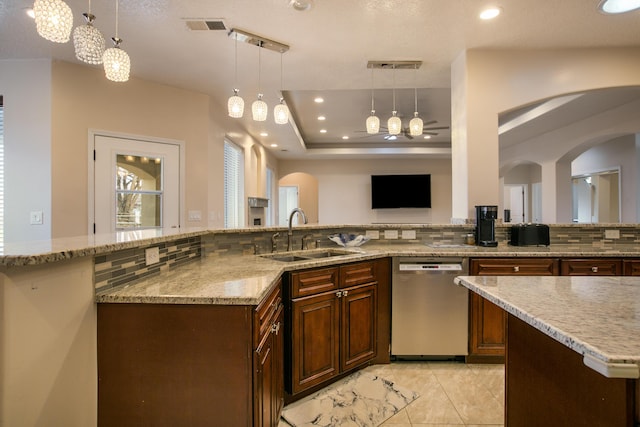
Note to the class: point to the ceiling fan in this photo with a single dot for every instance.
(426, 130)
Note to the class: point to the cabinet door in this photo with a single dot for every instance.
(591, 267)
(315, 338)
(264, 383)
(358, 329)
(488, 333)
(278, 368)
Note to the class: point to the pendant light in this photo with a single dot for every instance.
(54, 20)
(416, 124)
(115, 60)
(88, 40)
(373, 122)
(235, 105)
(394, 124)
(259, 108)
(281, 111)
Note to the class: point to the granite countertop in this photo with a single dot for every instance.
(598, 317)
(246, 279)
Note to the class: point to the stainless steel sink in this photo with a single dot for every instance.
(307, 255)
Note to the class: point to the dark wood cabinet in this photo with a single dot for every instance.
(487, 327)
(335, 329)
(631, 267)
(591, 267)
(190, 364)
(269, 361)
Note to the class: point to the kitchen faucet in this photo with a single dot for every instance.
(290, 232)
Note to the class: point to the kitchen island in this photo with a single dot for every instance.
(573, 348)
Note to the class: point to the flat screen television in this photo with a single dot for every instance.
(400, 191)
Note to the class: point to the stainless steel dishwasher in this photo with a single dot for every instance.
(429, 313)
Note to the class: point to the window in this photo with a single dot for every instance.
(269, 220)
(138, 192)
(233, 186)
(1, 172)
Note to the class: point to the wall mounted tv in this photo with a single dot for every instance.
(400, 191)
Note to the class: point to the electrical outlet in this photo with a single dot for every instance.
(195, 215)
(35, 217)
(152, 255)
(409, 234)
(611, 234)
(372, 234)
(390, 234)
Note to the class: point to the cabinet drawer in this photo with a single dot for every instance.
(267, 312)
(357, 274)
(591, 267)
(631, 267)
(514, 267)
(314, 281)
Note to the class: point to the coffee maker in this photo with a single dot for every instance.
(485, 225)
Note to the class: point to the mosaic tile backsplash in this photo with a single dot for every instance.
(124, 266)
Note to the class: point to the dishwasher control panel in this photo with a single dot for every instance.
(418, 266)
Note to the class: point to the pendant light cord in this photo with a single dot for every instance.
(415, 87)
(394, 88)
(372, 106)
(117, 18)
(235, 73)
(259, 66)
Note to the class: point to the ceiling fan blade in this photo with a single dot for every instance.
(430, 122)
(436, 128)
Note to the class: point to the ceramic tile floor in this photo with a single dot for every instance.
(451, 394)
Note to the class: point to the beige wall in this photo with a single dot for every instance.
(84, 99)
(488, 82)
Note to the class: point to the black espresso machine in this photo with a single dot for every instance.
(486, 225)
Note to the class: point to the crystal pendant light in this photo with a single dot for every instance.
(88, 41)
(235, 105)
(115, 60)
(416, 124)
(394, 124)
(54, 20)
(281, 111)
(373, 122)
(259, 108)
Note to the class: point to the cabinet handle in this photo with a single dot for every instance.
(339, 294)
(594, 269)
(344, 293)
(275, 328)
(516, 268)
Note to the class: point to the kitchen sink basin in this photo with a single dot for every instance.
(306, 255)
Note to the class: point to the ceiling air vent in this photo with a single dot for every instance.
(206, 24)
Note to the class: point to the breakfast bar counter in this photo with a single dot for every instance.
(573, 348)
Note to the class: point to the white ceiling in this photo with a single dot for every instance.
(330, 46)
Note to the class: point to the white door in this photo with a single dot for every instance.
(136, 184)
(514, 199)
(288, 201)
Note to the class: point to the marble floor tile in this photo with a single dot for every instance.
(452, 394)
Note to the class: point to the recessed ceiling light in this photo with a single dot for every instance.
(427, 137)
(618, 6)
(318, 100)
(490, 13)
(274, 145)
(264, 134)
(323, 131)
(345, 137)
(322, 118)
(301, 5)
(29, 11)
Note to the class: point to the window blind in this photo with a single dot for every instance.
(233, 185)
(1, 172)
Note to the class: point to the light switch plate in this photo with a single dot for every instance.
(409, 234)
(36, 217)
(372, 234)
(195, 215)
(390, 234)
(152, 255)
(611, 234)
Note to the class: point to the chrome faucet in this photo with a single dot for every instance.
(290, 232)
(274, 241)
